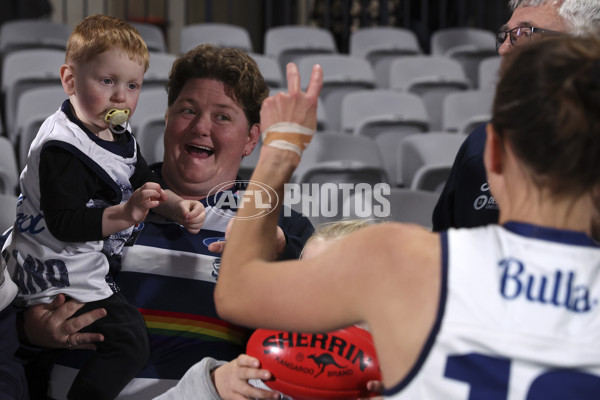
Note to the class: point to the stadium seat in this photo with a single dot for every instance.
(467, 45)
(430, 77)
(152, 35)
(488, 72)
(425, 160)
(148, 122)
(463, 111)
(23, 34)
(9, 175)
(342, 74)
(158, 71)
(270, 70)
(386, 117)
(222, 35)
(403, 205)
(8, 210)
(331, 167)
(290, 42)
(33, 107)
(382, 44)
(24, 70)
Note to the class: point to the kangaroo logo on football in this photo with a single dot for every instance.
(323, 361)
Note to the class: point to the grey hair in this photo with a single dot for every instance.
(581, 16)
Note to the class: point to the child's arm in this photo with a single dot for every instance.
(188, 213)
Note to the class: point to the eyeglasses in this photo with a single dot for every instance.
(520, 35)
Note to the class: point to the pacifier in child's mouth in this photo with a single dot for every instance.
(116, 119)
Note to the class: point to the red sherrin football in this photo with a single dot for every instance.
(314, 366)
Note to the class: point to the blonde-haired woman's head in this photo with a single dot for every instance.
(329, 232)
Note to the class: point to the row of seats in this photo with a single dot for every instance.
(424, 96)
(378, 45)
(429, 76)
(343, 159)
(383, 116)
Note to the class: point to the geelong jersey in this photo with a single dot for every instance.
(519, 318)
(43, 266)
(170, 275)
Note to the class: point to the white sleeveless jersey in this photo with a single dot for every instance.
(519, 318)
(43, 266)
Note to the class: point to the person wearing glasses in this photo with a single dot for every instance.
(466, 200)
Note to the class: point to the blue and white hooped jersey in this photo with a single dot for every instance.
(43, 266)
(170, 275)
(519, 318)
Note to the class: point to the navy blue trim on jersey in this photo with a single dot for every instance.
(456, 207)
(551, 234)
(97, 169)
(171, 236)
(436, 325)
(124, 147)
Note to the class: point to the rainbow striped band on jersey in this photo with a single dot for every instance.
(288, 136)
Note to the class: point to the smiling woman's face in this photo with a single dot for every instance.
(206, 135)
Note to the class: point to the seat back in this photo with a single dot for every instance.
(33, 107)
(399, 205)
(158, 71)
(375, 42)
(467, 45)
(446, 41)
(342, 74)
(425, 160)
(9, 175)
(33, 33)
(288, 43)
(25, 70)
(8, 210)
(464, 111)
(152, 35)
(148, 122)
(328, 146)
(488, 72)
(430, 77)
(222, 35)
(386, 117)
(270, 70)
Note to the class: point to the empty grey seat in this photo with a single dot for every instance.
(385, 116)
(430, 77)
(489, 68)
(157, 74)
(270, 70)
(464, 111)
(33, 33)
(467, 45)
(152, 35)
(23, 70)
(222, 35)
(9, 175)
(8, 210)
(342, 74)
(33, 107)
(425, 160)
(148, 122)
(399, 205)
(290, 42)
(380, 45)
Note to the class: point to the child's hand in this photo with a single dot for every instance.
(191, 214)
(143, 199)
